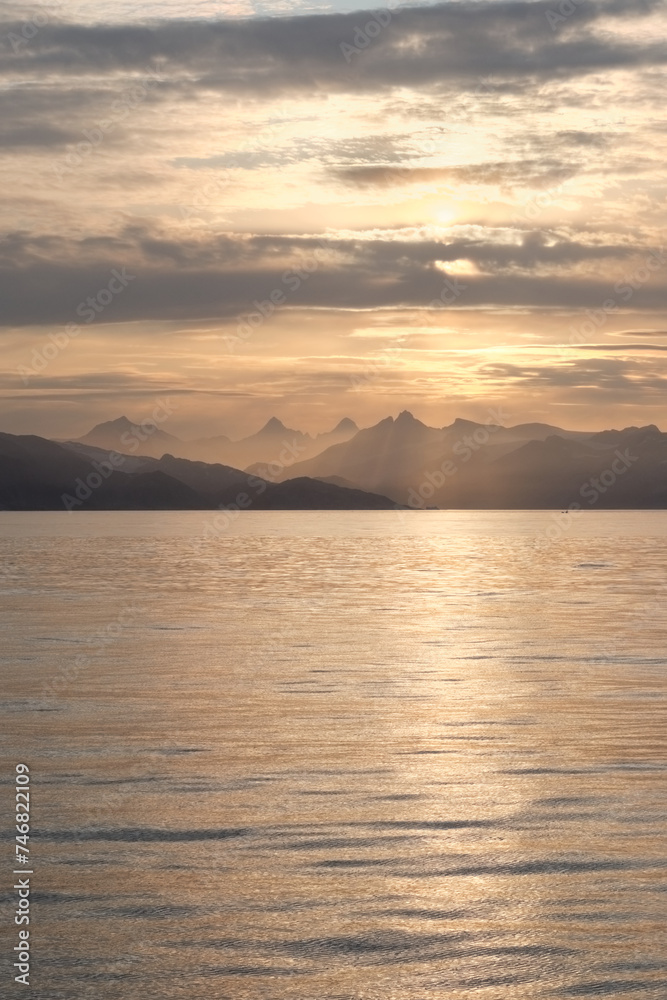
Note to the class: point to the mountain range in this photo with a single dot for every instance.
(397, 462)
(37, 474)
(488, 466)
(149, 439)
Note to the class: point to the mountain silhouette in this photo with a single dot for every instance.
(123, 436)
(37, 474)
(264, 446)
(485, 465)
(344, 426)
(398, 461)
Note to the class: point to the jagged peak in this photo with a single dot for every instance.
(119, 422)
(273, 426)
(407, 421)
(405, 417)
(385, 422)
(346, 424)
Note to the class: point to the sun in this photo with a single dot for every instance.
(444, 214)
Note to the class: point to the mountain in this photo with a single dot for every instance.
(344, 426)
(343, 431)
(399, 461)
(274, 444)
(382, 458)
(310, 494)
(202, 477)
(288, 447)
(540, 432)
(484, 465)
(131, 463)
(624, 470)
(36, 474)
(210, 449)
(122, 436)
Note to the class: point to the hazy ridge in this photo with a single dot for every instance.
(398, 461)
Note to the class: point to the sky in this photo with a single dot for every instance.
(313, 210)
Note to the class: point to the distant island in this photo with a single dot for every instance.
(398, 463)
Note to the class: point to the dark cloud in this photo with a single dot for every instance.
(45, 279)
(448, 42)
(572, 137)
(611, 375)
(51, 120)
(17, 136)
(140, 244)
(525, 173)
(380, 253)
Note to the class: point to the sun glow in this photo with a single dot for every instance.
(444, 214)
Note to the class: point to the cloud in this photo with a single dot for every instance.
(420, 47)
(639, 333)
(575, 137)
(47, 279)
(592, 375)
(466, 143)
(526, 173)
(93, 381)
(629, 348)
(16, 136)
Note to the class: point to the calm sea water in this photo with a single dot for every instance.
(339, 756)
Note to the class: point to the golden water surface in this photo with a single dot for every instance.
(335, 756)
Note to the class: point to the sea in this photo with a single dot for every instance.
(388, 755)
